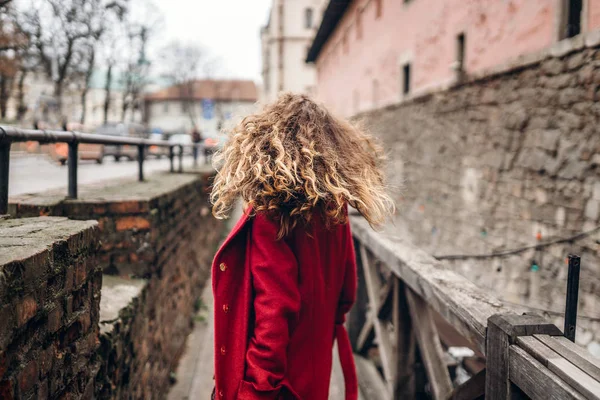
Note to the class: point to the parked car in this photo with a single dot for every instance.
(122, 130)
(181, 139)
(213, 142)
(157, 151)
(85, 151)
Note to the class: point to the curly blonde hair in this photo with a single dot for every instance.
(294, 158)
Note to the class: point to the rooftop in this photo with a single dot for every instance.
(333, 14)
(225, 90)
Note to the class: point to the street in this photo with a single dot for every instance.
(31, 173)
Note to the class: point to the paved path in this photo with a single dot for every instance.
(32, 173)
(195, 370)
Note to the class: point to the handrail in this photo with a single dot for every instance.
(464, 305)
(11, 134)
(400, 285)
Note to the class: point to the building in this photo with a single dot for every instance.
(369, 53)
(207, 104)
(42, 106)
(285, 40)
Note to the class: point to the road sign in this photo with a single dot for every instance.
(208, 107)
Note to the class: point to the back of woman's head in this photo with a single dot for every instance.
(295, 158)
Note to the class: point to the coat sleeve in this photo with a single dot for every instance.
(348, 295)
(274, 272)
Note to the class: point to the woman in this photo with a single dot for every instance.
(286, 275)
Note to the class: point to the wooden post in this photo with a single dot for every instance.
(502, 331)
(373, 289)
(404, 357)
(429, 345)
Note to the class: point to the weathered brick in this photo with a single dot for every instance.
(55, 319)
(7, 389)
(132, 222)
(28, 377)
(26, 309)
(128, 207)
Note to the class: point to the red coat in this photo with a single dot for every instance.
(279, 305)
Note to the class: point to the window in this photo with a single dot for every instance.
(359, 27)
(308, 18)
(378, 8)
(406, 79)
(166, 107)
(375, 93)
(460, 53)
(184, 106)
(572, 21)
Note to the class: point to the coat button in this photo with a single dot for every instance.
(223, 267)
(223, 350)
(225, 308)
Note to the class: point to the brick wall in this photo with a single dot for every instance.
(504, 161)
(49, 299)
(160, 231)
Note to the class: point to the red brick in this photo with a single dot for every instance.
(3, 365)
(99, 210)
(69, 278)
(46, 359)
(129, 223)
(55, 319)
(28, 377)
(85, 322)
(126, 207)
(26, 309)
(43, 390)
(6, 390)
(80, 273)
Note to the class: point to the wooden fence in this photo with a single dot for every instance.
(394, 328)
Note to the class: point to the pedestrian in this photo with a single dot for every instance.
(196, 139)
(285, 276)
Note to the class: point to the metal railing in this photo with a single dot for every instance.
(9, 135)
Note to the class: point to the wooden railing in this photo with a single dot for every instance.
(402, 291)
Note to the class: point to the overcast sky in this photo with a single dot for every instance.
(228, 29)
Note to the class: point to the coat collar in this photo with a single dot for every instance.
(246, 216)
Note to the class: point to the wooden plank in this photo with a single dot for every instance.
(383, 339)
(429, 345)
(575, 354)
(503, 331)
(465, 306)
(371, 386)
(535, 380)
(405, 346)
(385, 299)
(471, 389)
(366, 336)
(564, 369)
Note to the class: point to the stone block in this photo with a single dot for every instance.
(592, 209)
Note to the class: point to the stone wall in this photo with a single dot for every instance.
(157, 239)
(49, 299)
(501, 162)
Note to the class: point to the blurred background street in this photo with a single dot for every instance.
(37, 173)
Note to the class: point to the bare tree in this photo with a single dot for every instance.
(103, 15)
(12, 45)
(183, 65)
(141, 26)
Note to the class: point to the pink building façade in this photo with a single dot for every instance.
(370, 53)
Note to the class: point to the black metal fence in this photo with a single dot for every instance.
(9, 135)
